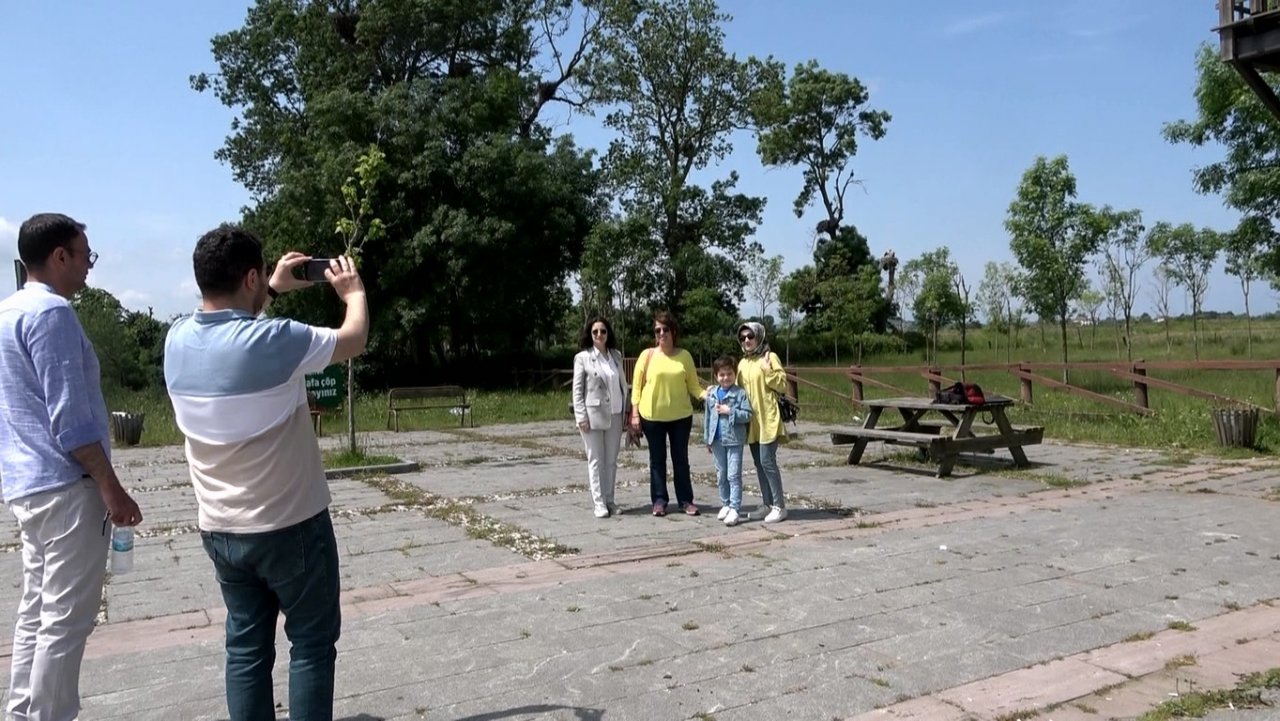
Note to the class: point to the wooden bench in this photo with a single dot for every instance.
(428, 398)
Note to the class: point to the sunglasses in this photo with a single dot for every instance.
(661, 330)
(599, 331)
(747, 336)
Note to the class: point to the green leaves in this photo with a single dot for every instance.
(814, 122)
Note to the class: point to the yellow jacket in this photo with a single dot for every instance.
(661, 390)
(760, 382)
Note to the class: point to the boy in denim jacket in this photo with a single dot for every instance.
(725, 418)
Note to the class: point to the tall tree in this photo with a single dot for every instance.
(764, 275)
(1124, 252)
(677, 96)
(450, 93)
(996, 294)
(814, 121)
(937, 303)
(1051, 235)
(1161, 293)
(1244, 249)
(1188, 254)
(1230, 116)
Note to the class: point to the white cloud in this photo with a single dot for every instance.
(131, 298)
(8, 236)
(974, 23)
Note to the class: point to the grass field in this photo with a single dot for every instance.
(1179, 423)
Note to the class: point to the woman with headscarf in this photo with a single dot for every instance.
(760, 372)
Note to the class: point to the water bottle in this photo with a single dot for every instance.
(121, 549)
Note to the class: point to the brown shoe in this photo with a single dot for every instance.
(690, 509)
(659, 509)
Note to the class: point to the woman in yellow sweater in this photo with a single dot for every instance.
(760, 372)
(663, 381)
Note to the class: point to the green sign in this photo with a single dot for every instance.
(328, 389)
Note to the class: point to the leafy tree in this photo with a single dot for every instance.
(1188, 255)
(997, 299)
(1244, 248)
(814, 121)
(450, 93)
(1124, 252)
(1229, 115)
(1051, 235)
(677, 95)
(837, 271)
(1161, 290)
(938, 303)
(1089, 302)
(119, 354)
(764, 275)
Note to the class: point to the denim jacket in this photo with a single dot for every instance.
(733, 427)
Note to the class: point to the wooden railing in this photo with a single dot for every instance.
(1230, 11)
(1031, 374)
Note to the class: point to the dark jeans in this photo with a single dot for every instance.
(657, 433)
(295, 571)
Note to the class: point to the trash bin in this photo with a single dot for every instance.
(126, 428)
(1236, 427)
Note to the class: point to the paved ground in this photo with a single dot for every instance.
(1094, 585)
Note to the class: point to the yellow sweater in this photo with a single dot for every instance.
(661, 391)
(766, 423)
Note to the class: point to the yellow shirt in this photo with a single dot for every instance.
(766, 423)
(661, 391)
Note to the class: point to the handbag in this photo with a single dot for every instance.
(634, 435)
(787, 408)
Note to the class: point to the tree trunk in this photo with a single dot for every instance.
(1062, 325)
(351, 406)
(1195, 332)
(964, 334)
(1248, 325)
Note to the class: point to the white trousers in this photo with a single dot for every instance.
(64, 559)
(602, 461)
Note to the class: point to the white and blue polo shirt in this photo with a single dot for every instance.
(237, 387)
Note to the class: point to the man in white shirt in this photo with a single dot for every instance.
(237, 387)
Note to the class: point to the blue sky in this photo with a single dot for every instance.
(102, 124)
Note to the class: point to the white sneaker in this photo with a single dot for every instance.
(724, 511)
(731, 518)
(775, 515)
(602, 512)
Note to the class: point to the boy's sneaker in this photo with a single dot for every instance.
(724, 511)
(775, 515)
(760, 513)
(731, 518)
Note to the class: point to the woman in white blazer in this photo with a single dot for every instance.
(600, 396)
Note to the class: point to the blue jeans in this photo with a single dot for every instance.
(656, 434)
(295, 571)
(728, 473)
(765, 456)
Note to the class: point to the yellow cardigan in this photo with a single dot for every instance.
(661, 391)
(766, 423)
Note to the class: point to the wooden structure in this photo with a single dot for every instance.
(942, 442)
(1249, 35)
(428, 398)
(1031, 374)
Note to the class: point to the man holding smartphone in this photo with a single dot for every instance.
(237, 387)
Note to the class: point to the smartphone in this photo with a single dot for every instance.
(313, 270)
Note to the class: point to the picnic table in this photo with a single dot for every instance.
(942, 439)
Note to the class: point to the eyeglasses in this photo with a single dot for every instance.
(599, 331)
(747, 336)
(93, 257)
(661, 330)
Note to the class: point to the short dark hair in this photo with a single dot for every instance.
(44, 233)
(223, 257)
(584, 338)
(722, 363)
(664, 317)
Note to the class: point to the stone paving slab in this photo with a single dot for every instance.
(994, 587)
